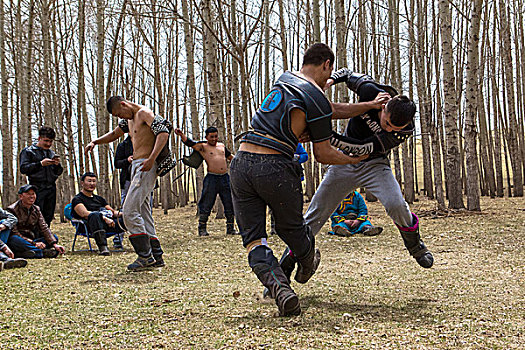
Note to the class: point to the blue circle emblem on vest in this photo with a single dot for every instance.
(272, 101)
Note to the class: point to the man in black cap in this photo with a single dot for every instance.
(42, 167)
(31, 233)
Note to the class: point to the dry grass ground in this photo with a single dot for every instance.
(367, 294)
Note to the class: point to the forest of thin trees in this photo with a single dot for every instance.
(210, 62)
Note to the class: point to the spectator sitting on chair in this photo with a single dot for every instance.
(95, 211)
(7, 257)
(31, 233)
(351, 217)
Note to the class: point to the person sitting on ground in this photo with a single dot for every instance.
(7, 258)
(31, 233)
(95, 211)
(351, 217)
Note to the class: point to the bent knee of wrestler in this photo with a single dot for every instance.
(299, 241)
(399, 212)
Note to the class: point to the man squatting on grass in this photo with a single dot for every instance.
(263, 173)
(373, 131)
(216, 181)
(151, 157)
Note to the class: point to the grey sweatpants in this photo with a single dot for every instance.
(375, 175)
(136, 209)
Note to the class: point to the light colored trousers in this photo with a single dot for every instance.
(375, 175)
(136, 209)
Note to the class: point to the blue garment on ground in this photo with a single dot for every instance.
(353, 203)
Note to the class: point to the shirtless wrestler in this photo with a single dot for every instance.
(217, 180)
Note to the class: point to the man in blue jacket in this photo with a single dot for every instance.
(351, 217)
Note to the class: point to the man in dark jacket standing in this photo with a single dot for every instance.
(42, 167)
(123, 159)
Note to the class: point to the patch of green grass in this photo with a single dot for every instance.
(367, 294)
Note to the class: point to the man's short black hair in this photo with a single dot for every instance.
(401, 109)
(317, 54)
(210, 130)
(88, 174)
(112, 102)
(48, 132)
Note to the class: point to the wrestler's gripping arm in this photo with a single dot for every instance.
(106, 138)
(376, 144)
(198, 146)
(350, 110)
(324, 153)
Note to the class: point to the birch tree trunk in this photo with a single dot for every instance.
(190, 81)
(514, 149)
(424, 99)
(282, 35)
(450, 111)
(103, 187)
(473, 201)
(8, 186)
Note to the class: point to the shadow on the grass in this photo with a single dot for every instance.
(86, 252)
(127, 278)
(416, 310)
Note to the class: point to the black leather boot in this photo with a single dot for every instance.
(157, 253)
(203, 219)
(230, 225)
(287, 263)
(415, 245)
(274, 279)
(142, 246)
(309, 262)
(102, 242)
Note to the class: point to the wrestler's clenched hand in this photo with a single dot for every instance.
(89, 147)
(147, 164)
(381, 99)
(329, 83)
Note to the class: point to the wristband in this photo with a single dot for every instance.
(189, 142)
(341, 75)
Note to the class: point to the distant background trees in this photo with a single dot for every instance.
(210, 62)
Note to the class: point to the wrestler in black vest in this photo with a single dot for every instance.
(272, 125)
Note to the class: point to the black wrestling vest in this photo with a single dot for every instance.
(272, 123)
